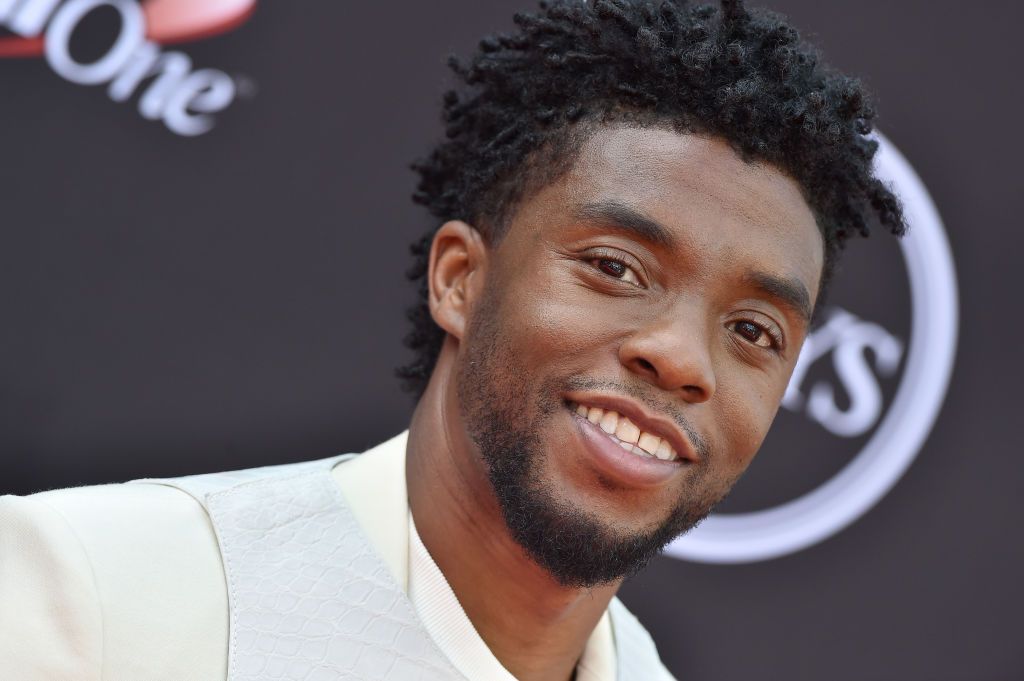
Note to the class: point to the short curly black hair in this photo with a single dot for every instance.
(529, 100)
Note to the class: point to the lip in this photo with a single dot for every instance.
(645, 421)
(611, 460)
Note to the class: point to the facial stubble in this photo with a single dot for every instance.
(504, 415)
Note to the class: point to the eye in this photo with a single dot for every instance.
(617, 269)
(756, 334)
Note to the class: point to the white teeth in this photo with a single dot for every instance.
(649, 443)
(628, 434)
(627, 431)
(609, 422)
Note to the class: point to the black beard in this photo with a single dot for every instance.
(574, 546)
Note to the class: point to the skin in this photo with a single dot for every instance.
(679, 326)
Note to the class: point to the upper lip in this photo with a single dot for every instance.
(646, 421)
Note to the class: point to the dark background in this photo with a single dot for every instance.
(175, 306)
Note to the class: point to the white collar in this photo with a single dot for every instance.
(374, 486)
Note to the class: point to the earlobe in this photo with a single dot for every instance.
(458, 258)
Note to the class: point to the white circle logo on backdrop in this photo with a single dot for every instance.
(821, 513)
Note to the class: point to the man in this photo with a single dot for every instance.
(638, 205)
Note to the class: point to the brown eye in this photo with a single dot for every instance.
(612, 267)
(753, 333)
(616, 269)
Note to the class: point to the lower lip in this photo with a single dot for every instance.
(611, 459)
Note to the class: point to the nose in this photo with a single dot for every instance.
(673, 353)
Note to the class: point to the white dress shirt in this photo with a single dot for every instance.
(381, 512)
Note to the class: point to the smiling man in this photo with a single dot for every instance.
(637, 207)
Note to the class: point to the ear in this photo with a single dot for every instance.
(458, 260)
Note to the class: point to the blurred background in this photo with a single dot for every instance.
(206, 272)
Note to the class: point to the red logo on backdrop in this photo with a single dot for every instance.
(135, 63)
(167, 22)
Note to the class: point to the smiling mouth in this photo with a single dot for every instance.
(625, 433)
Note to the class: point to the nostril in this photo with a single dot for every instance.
(646, 365)
(696, 393)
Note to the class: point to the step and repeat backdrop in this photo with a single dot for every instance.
(205, 271)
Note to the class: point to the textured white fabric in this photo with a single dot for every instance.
(126, 583)
(373, 483)
(444, 618)
(383, 511)
(309, 597)
(448, 624)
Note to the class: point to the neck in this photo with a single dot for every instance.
(536, 627)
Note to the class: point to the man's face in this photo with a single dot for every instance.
(639, 323)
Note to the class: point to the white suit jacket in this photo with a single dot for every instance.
(127, 582)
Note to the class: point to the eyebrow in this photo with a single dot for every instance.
(790, 293)
(614, 215)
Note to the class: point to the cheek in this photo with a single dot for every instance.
(745, 416)
(549, 319)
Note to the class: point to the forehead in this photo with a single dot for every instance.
(716, 205)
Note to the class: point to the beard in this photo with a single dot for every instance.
(504, 415)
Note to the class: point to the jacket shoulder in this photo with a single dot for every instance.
(201, 487)
(154, 570)
(50, 622)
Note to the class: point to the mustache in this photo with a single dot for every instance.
(643, 394)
